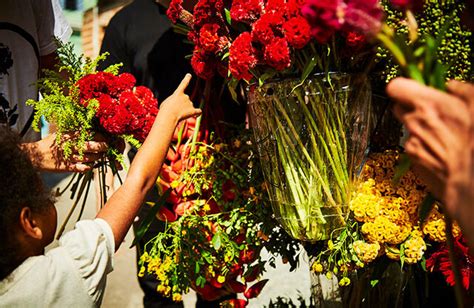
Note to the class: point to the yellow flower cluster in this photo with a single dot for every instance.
(366, 252)
(388, 212)
(435, 227)
(160, 268)
(415, 247)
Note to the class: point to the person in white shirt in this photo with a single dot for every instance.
(73, 274)
(27, 46)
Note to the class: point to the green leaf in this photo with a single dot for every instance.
(217, 240)
(426, 207)
(306, 71)
(197, 268)
(402, 254)
(402, 168)
(227, 16)
(200, 281)
(419, 51)
(149, 218)
(232, 85)
(374, 282)
(423, 264)
(225, 56)
(414, 73)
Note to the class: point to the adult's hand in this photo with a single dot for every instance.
(46, 155)
(441, 141)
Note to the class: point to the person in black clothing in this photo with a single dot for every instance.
(142, 38)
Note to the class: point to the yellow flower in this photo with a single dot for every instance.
(317, 267)
(366, 252)
(329, 275)
(177, 297)
(220, 279)
(237, 143)
(414, 247)
(330, 245)
(206, 207)
(141, 273)
(345, 281)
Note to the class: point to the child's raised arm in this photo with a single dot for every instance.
(124, 204)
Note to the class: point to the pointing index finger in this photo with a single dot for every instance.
(184, 83)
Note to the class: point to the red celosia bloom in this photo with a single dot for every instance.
(414, 5)
(241, 57)
(363, 16)
(268, 27)
(174, 9)
(297, 32)
(193, 37)
(246, 10)
(203, 65)
(121, 83)
(274, 5)
(207, 11)
(323, 17)
(327, 16)
(293, 7)
(440, 261)
(94, 85)
(209, 38)
(122, 109)
(277, 54)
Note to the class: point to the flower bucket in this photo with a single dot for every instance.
(312, 138)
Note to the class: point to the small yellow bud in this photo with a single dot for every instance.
(345, 281)
(220, 279)
(317, 267)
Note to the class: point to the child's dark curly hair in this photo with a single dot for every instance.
(21, 187)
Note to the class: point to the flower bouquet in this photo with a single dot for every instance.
(311, 133)
(87, 103)
(385, 225)
(217, 221)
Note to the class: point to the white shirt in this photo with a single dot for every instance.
(71, 275)
(27, 29)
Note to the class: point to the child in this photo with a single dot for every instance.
(74, 274)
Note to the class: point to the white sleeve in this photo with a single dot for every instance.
(91, 246)
(44, 15)
(62, 29)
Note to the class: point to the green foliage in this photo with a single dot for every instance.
(60, 102)
(454, 51)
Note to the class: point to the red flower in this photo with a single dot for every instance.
(175, 8)
(297, 32)
(274, 5)
(268, 27)
(323, 17)
(326, 17)
(241, 57)
(94, 85)
(293, 7)
(413, 5)
(203, 65)
(439, 261)
(354, 39)
(209, 38)
(207, 11)
(121, 83)
(255, 290)
(277, 54)
(363, 16)
(193, 37)
(246, 10)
